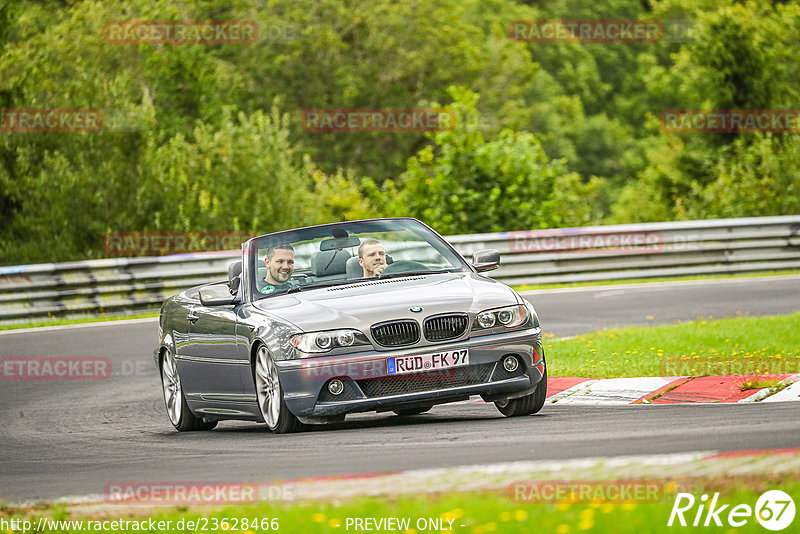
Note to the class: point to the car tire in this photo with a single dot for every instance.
(412, 411)
(178, 410)
(270, 395)
(527, 405)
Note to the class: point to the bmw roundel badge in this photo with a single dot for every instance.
(416, 309)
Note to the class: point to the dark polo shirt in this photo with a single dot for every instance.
(271, 289)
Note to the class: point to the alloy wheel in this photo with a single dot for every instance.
(268, 388)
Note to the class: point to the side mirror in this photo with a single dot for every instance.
(486, 260)
(217, 295)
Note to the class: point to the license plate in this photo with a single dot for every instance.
(399, 365)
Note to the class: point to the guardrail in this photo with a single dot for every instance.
(721, 246)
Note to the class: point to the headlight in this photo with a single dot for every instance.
(486, 319)
(510, 317)
(323, 340)
(317, 342)
(534, 316)
(345, 338)
(505, 317)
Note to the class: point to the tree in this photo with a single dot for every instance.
(466, 184)
(694, 175)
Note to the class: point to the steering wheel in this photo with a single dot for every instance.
(404, 266)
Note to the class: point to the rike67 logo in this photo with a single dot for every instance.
(774, 510)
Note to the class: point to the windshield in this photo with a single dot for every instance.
(299, 260)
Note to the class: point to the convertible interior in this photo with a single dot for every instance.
(326, 265)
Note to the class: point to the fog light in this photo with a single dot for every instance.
(335, 387)
(510, 363)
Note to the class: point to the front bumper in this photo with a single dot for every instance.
(368, 386)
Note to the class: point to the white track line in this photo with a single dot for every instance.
(763, 394)
(755, 397)
(79, 325)
(449, 479)
(792, 393)
(503, 476)
(570, 391)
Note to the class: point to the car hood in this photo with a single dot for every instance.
(363, 304)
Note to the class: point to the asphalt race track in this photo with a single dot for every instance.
(70, 438)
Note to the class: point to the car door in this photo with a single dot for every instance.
(211, 360)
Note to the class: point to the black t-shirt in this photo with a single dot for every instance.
(269, 289)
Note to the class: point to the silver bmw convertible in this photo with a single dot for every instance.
(315, 323)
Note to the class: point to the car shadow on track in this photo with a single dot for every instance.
(362, 422)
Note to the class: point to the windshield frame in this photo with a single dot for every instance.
(250, 248)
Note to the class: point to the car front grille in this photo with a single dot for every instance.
(396, 333)
(428, 381)
(444, 327)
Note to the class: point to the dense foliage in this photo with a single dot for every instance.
(209, 136)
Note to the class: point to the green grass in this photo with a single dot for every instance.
(740, 346)
(531, 287)
(773, 383)
(79, 320)
(474, 513)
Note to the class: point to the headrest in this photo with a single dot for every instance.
(327, 262)
(234, 276)
(234, 270)
(354, 269)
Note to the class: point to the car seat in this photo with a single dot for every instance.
(328, 262)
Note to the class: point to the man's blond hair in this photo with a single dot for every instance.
(365, 243)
